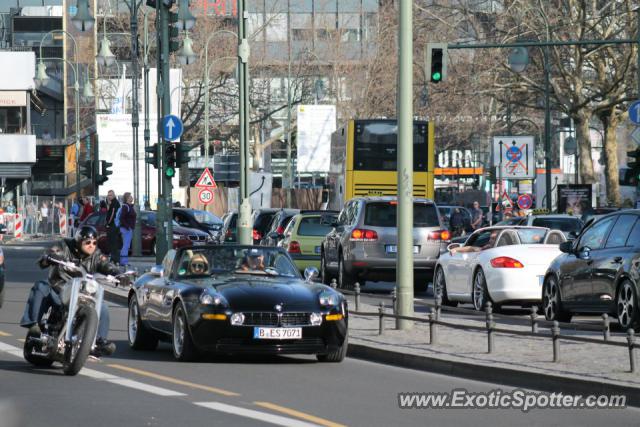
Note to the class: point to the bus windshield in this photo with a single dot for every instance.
(376, 145)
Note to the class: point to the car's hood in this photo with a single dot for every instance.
(257, 293)
(193, 231)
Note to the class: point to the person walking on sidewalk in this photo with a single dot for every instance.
(87, 208)
(113, 232)
(127, 224)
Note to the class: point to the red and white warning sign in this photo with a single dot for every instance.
(205, 196)
(206, 180)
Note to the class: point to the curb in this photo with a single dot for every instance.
(493, 374)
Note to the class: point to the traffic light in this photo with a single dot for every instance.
(153, 3)
(152, 155)
(182, 154)
(86, 168)
(436, 62)
(103, 176)
(634, 166)
(170, 160)
(174, 32)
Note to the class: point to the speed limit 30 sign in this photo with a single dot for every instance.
(205, 196)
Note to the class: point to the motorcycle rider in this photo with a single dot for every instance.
(81, 250)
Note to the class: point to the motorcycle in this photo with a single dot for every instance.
(69, 328)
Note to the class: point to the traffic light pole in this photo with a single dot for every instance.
(404, 270)
(135, 123)
(166, 109)
(162, 53)
(244, 223)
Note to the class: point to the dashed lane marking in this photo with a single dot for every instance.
(256, 415)
(129, 383)
(174, 380)
(4, 334)
(298, 414)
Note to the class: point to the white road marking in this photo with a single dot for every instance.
(256, 415)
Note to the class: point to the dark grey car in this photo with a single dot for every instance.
(362, 245)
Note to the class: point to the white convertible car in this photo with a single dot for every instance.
(504, 265)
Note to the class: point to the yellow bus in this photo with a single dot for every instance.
(364, 160)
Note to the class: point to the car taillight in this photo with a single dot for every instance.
(256, 235)
(505, 262)
(280, 229)
(228, 233)
(362, 235)
(440, 235)
(294, 247)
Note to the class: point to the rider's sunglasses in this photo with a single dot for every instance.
(90, 242)
(198, 266)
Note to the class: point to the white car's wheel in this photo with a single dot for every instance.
(440, 288)
(479, 293)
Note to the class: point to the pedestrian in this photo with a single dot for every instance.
(476, 216)
(76, 211)
(103, 207)
(113, 233)
(44, 215)
(127, 224)
(456, 223)
(87, 208)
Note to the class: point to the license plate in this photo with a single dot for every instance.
(393, 249)
(540, 280)
(277, 333)
(317, 249)
(198, 243)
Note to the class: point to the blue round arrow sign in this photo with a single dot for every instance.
(172, 127)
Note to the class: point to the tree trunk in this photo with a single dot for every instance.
(581, 120)
(610, 121)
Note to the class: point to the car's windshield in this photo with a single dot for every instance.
(207, 218)
(566, 225)
(212, 261)
(149, 219)
(531, 235)
(383, 214)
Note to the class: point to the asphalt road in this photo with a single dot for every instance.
(151, 389)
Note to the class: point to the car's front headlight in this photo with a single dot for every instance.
(212, 299)
(177, 237)
(328, 298)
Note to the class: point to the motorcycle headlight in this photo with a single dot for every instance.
(90, 287)
(328, 298)
(237, 319)
(209, 299)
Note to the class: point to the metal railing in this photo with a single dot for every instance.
(434, 320)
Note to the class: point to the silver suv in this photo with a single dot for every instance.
(363, 242)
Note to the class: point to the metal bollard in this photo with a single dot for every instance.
(534, 319)
(381, 321)
(334, 283)
(357, 290)
(631, 339)
(438, 305)
(605, 326)
(433, 332)
(490, 326)
(555, 334)
(394, 300)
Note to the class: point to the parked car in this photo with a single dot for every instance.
(504, 265)
(205, 300)
(182, 236)
(229, 230)
(279, 222)
(446, 211)
(362, 244)
(568, 224)
(261, 220)
(304, 235)
(597, 272)
(202, 220)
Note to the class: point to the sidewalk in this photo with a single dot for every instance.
(517, 361)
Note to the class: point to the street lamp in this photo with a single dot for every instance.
(83, 20)
(105, 57)
(186, 20)
(186, 56)
(87, 90)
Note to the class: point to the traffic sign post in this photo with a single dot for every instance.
(525, 201)
(172, 127)
(634, 113)
(205, 196)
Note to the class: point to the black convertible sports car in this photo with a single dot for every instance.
(233, 299)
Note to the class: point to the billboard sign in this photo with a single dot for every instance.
(316, 123)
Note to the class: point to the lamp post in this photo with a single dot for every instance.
(244, 223)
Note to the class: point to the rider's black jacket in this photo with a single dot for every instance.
(68, 250)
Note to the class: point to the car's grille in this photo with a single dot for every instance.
(261, 318)
(308, 345)
(386, 190)
(196, 238)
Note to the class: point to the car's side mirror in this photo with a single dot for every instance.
(584, 253)
(572, 235)
(275, 235)
(157, 271)
(453, 246)
(311, 274)
(566, 247)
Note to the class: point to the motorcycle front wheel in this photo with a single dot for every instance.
(85, 327)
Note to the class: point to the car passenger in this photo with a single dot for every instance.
(253, 261)
(489, 245)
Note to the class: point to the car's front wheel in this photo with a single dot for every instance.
(337, 355)
(552, 301)
(627, 305)
(182, 344)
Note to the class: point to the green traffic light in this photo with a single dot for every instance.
(170, 172)
(436, 77)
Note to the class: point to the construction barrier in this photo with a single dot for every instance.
(63, 225)
(18, 227)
